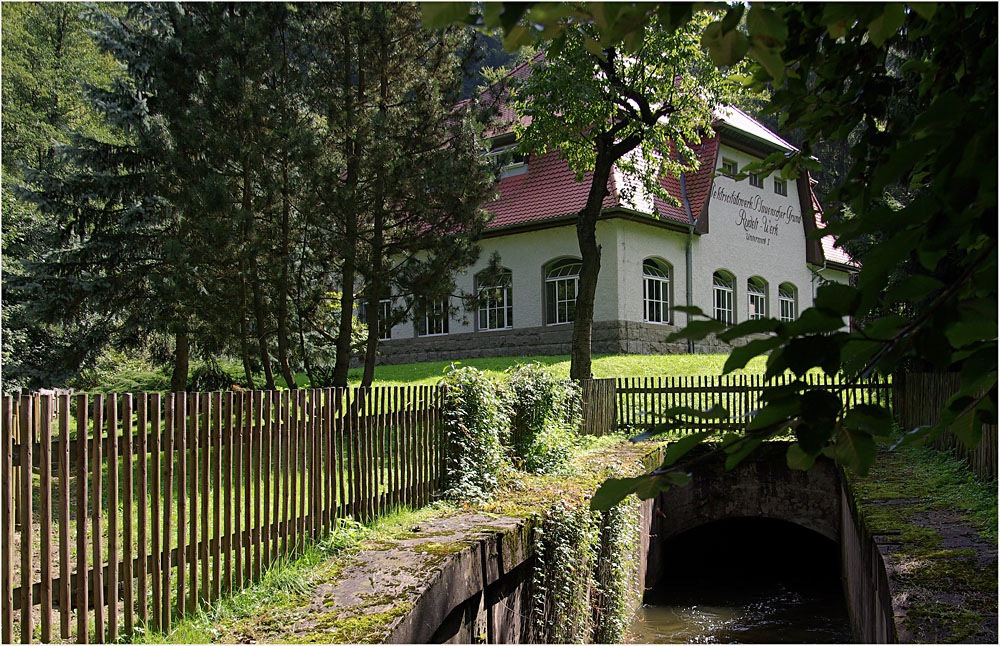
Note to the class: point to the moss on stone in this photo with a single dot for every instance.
(441, 549)
(360, 628)
(947, 588)
(960, 624)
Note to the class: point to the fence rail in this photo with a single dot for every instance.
(921, 396)
(642, 402)
(139, 508)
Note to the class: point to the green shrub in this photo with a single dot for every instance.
(477, 426)
(546, 413)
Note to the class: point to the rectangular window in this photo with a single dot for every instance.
(728, 167)
(756, 180)
(434, 322)
(385, 305)
(780, 187)
(657, 299)
(561, 299)
(756, 305)
(515, 163)
(496, 305)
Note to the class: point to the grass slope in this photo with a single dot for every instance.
(604, 366)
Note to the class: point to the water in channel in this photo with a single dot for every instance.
(748, 581)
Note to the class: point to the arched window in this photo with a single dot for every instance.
(656, 291)
(788, 307)
(722, 291)
(756, 298)
(561, 283)
(496, 302)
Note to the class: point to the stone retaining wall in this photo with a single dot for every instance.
(609, 337)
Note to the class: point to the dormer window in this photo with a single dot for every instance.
(515, 163)
(756, 180)
(728, 167)
(780, 187)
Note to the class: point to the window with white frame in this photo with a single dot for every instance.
(514, 161)
(756, 298)
(728, 167)
(561, 283)
(656, 291)
(434, 321)
(780, 186)
(385, 309)
(787, 302)
(756, 180)
(496, 303)
(722, 292)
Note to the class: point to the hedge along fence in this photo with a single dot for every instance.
(527, 418)
(139, 508)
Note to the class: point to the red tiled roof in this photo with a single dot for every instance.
(548, 190)
(698, 184)
(831, 252)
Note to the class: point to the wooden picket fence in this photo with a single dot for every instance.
(642, 402)
(139, 508)
(921, 396)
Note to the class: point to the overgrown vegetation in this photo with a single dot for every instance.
(477, 426)
(525, 418)
(545, 415)
(584, 583)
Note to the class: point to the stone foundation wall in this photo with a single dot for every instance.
(609, 337)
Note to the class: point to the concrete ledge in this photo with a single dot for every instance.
(461, 578)
(931, 576)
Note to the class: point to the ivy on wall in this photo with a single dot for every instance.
(585, 586)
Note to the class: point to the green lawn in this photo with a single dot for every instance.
(608, 365)
(128, 378)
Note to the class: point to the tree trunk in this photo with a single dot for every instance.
(283, 365)
(244, 332)
(260, 318)
(375, 282)
(350, 243)
(590, 255)
(182, 349)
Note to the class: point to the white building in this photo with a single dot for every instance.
(736, 249)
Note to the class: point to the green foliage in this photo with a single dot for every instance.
(48, 60)
(545, 416)
(524, 417)
(566, 544)
(120, 372)
(616, 591)
(477, 427)
(584, 581)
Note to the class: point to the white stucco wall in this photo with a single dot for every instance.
(748, 239)
(525, 255)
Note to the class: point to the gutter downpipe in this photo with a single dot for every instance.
(687, 255)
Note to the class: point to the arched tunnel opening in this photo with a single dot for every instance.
(745, 580)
